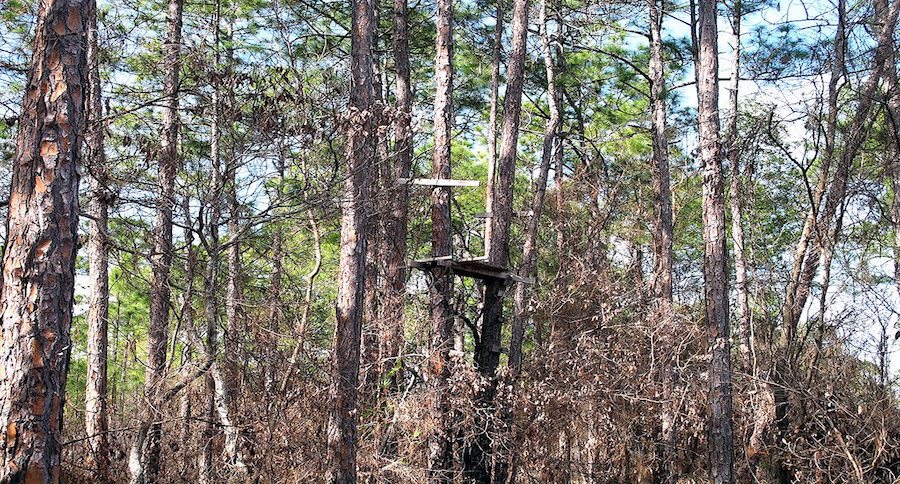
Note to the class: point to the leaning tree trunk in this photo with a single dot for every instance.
(828, 225)
(158, 334)
(440, 457)
(96, 418)
(721, 466)
(39, 260)
(551, 140)
(351, 268)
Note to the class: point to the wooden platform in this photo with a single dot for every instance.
(477, 268)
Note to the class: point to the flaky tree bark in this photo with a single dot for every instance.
(351, 269)
(550, 145)
(440, 457)
(662, 233)
(39, 259)
(370, 364)
(96, 418)
(158, 334)
(397, 215)
(233, 290)
(721, 466)
(496, 53)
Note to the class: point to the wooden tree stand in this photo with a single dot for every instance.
(476, 267)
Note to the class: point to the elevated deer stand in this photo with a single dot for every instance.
(476, 267)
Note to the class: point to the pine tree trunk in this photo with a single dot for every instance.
(737, 225)
(39, 259)
(662, 234)
(496, 53)
(233, 291)
(551, 142)
(721, 466)
(397, 216)
(360, 151)
(478, 458)
(487, 355)
(96, 422)
(158, 334)
(440, 457)
(210, 301)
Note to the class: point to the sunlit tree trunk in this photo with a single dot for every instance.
(721, 454)
(360, 151)
(370, 362)
(39, 259)
(210, 303)
(96, 421)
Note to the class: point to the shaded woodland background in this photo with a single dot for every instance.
(220, 156)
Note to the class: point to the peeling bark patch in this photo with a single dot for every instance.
(49, 148)
(34, 474)
(44, 247)
(37, 407)
(73, 20)
(37, 358)
(11, 436)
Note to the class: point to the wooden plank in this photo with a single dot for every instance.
(484, 215)
(439, 182)
(434, 259)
